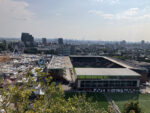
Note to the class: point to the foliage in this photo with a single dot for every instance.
(99, 98)
(17, 98)
(132, 107)
(110, 109)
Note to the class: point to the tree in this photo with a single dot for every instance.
(16, 98)
(2, 47)
(110, 109)
(132, 107)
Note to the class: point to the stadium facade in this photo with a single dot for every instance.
(106, 78)
(99, 73)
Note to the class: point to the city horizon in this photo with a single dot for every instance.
(73, 39)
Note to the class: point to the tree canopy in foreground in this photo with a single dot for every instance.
(132, 107)
(18, 98)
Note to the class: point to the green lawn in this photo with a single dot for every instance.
(143, 99)
(95, 77)
(96, 97)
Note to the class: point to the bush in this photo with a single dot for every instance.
(132, 107)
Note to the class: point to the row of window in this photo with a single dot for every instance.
(111, 84)
(106, 77)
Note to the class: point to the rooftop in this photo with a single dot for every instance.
(84, 56)
(60, 62)
(105, 72)
(119, 62)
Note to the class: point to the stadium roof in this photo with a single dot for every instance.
(105, 72)
(60, 62)
(121, 63)
(86, 56)
(113, 60)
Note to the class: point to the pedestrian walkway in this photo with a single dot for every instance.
(111, 102)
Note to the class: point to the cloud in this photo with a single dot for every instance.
(131, 11)
(15, 17)
(95, 12)
(100, 0)
(132, 14)
(10, 9)
(108, 16)
(129, 14)
(114, 2)
(111, 2)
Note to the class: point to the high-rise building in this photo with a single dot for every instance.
(123, 42)
(72, 50)
(27, 39)
(44, 41)
(60, 41)
(142, 42)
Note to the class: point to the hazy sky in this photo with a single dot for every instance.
(77, 19)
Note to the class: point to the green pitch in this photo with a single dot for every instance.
(122, 98)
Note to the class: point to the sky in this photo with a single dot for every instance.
(107, 20)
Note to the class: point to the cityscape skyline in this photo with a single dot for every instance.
(106, 20)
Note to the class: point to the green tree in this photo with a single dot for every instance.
(132, 107)
(110, 109)
(15, 98)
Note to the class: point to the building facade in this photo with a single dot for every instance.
(27, 39)
(44, 41)
(60, 41)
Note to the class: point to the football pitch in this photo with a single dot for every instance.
(122, 98)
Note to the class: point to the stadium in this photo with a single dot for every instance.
(92, 73)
